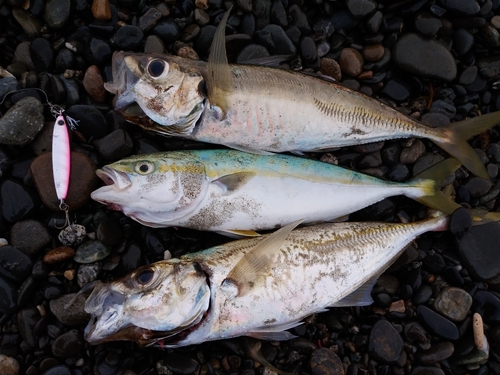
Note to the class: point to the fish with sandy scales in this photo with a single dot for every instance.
(261, 109)
(258, 287)
(236, 193)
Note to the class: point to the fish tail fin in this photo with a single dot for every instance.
(481, 216)
(454, 140)
(429, 186)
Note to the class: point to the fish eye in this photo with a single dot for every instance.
(144, 167)
(156, 68)
(145, 276)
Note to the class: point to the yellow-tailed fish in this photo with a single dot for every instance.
(261, 109)
(257, 287)
(236, 193)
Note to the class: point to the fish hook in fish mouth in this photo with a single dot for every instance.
(116, 179)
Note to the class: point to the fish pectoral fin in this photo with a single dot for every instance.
(231, 182)
(360, 297)
(254, 263)
(236, 233)
(218, 73)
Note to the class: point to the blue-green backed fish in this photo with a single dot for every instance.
(257, 287)
(261, 109)
(234, 192)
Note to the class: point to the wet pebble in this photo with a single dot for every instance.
(30, 236)
(98, 51)
(478, 187)
(88, 273)
(437, 324)
(462, 7)
(8, 365)
(109, 232)
(128, 37)
(468, 75)
(22, 122)
(130, 259)
(425, 162)
(94, 84)
(41, 54)
(56, 13)
(325, 362)
(101, 10)
(331, 68)
(67, 345)
(478, 250)
(154, 44)
(31, 25)
(115, 146)
(427, 25)
(423, 370)
(487, 304)
(460, 221)
(8, 296)
(411, 53)
(373, 52)
(17, 201)
(351, 62)
(361, 8)
(91, 251)
(438, 352)
(410, 155)
(92, 123)
(58, 370)
(149, 19)
(385, 343)
(252, 51)
(72, 235)
(454, 303)
(59, 254)
(14, 265)
(27, 319)
(74, 315)
(83, 180)
(168, 30)
(180, 364)
(283, 44)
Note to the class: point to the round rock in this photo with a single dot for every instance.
(351, 62)
(67, 345)
(83, 180)
(385, 343)
(56, 13)
(94, 84)
(437, 324)
(325, 362)
(437, 353)
(21, 122)
(17, 201)
(8, 365)
(91, 251)
(59, 254)
(418, 55)
(454, 303)
(73, 315)
(30, 236)
(14, 265)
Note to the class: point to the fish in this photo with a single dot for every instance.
(258, 287)
(263, 110)
(237, 193)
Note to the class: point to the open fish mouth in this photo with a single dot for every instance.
(113, 178)
(123, 83)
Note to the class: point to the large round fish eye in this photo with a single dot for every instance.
(145, 276)
(144, 167)
(156, 68)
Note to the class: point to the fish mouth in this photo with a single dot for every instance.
(123, 82)
(116, 182)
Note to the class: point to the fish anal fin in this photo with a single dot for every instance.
(272, 336)
(246, 272)
(231, 182)
(360, 297)
(237, 233)
(219, 74)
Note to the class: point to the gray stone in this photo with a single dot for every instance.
(22, 122)
(74, 315)
(30, 236)
(454, 303)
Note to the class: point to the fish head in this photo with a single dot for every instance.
(157, 190)
(169, 90)
(155, 302)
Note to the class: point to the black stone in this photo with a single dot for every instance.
(427, 25)
(283, 45)
(115, 145)
(58, 370)
(14, 265)
(204, 40)
(385, 343)
(463, 7)
(67, 345)
(423, 294)
(434, 263)
(299, 19)
(180, 364)
(487, 305)
(462, 41)
(92, 122)
(129, 37)
(460, 221)
(17, 201)
(264, 38)
(468, 75)
(41, 54)
(57, 13)
(437, 324)
(308, 50)
(8, 296)
(250, 52)
(361, 8)
(397, 88)
(278, 14)
(130, 259)
(98, 51)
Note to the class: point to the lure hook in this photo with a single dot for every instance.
(64, 207)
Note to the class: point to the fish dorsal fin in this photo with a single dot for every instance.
(360, 297)
(237, 233)
(219, 74)
(245, 273)
(231, 182)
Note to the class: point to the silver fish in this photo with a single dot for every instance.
(261, 109)
(257, 287)
(237, 193)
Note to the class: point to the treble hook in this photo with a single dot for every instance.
(64, 207)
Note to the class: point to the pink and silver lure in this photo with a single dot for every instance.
(61, 159)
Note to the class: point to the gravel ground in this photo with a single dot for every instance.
(438, 61)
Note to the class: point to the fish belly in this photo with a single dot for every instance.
(268, 203)
(289, 112)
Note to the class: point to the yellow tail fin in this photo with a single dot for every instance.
(456, 134)
(430, 182)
